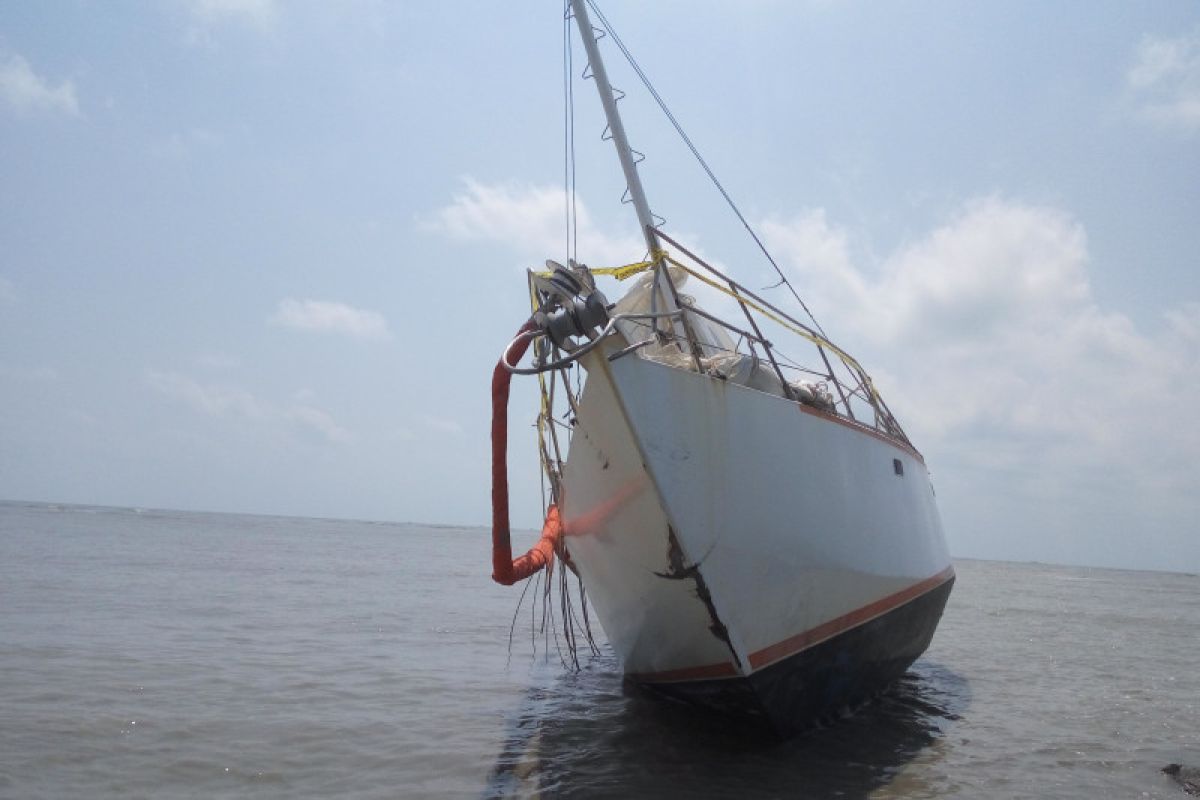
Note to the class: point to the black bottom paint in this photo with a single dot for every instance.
(829, 679)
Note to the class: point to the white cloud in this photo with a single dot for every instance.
(232, 402)
(25, 91)
(1165, 77)
(254, 13)
(530, 219)
(401, 434)
(207, 19)
(218, 361)
(81, 418)
(443, 425)
(319, 421)
(183, 145)
(214, 401)
(997, 266)
(322, 315)
(42, 374)
(998, 355)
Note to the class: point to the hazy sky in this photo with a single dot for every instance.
(261, 256)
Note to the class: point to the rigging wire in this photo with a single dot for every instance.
(700, 159)
(552, 464)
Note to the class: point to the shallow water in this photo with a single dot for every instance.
(170, 654)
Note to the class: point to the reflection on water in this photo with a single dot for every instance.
(592, 735)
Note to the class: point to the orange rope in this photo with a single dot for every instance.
(505, 569)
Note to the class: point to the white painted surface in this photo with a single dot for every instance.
(794, 518)
(617, 536)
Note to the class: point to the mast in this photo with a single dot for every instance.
(636, 193)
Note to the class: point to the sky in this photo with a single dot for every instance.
(261, 256)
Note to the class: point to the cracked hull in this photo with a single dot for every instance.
(821, 682)
(722, 532)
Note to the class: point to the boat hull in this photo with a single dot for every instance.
(745, 551)
(823, 682)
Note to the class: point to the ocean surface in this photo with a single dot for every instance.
(168, 654)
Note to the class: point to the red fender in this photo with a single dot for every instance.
(507, 570)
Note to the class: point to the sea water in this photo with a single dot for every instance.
(171, 654)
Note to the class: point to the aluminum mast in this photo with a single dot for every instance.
(636, 193)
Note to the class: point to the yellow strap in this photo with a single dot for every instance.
(620, 273)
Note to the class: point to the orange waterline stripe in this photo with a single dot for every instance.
(828, 630)
(801, 641)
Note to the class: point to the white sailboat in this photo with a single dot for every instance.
(755, 533)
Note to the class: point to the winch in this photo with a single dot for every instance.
(569, 305)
